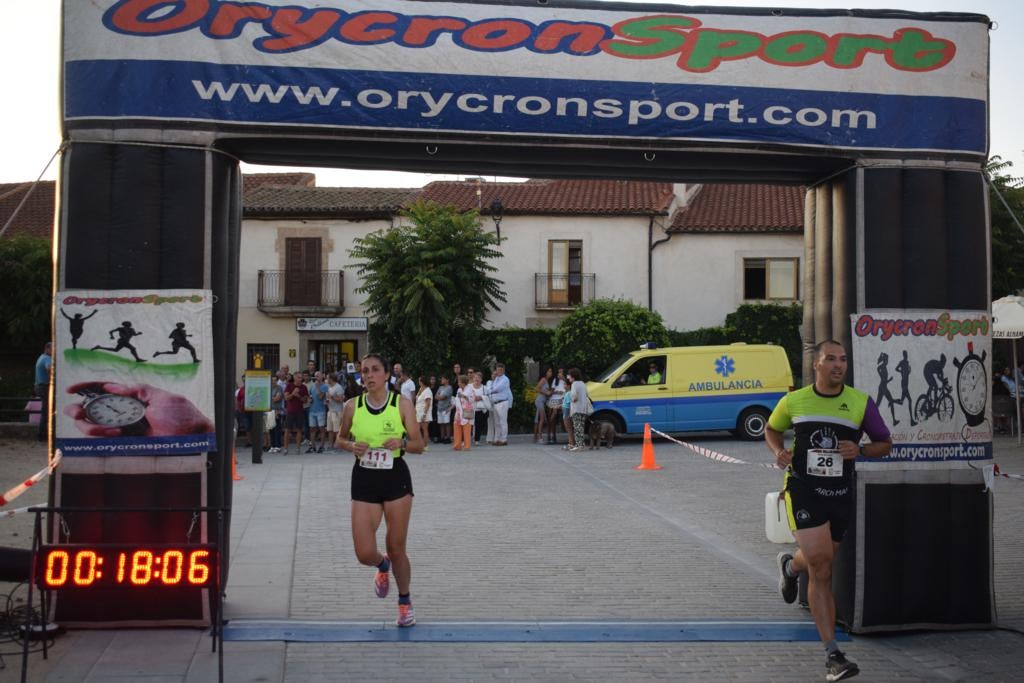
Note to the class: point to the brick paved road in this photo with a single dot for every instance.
(533, 532)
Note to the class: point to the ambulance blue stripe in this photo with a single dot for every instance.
(767, 398)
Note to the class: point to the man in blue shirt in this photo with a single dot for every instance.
(501, 399)
(42, 389)
(317, 413)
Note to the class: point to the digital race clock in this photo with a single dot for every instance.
(82, 566)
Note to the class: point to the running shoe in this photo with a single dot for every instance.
(407, 618)
(838, 667)
(382, 581)
(788, 588)
(320, 449)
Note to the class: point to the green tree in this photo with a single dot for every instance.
(1007, 238)
(770, 324)
(596, 334)
(26, 277)
(428, 284)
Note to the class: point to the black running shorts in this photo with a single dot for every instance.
(380, 486)
(808, 508)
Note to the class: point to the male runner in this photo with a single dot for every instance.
(829, 419)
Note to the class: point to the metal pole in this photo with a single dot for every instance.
(1016, 394)
(256, 436)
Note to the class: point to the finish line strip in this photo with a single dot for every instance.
(295, 631)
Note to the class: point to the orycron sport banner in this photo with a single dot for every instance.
(856, 81)
(928, 372)
(133, 372)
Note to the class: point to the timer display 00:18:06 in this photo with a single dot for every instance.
(61, 567)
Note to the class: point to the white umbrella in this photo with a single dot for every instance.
(1008, 323)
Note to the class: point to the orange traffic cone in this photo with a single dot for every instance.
(647, 455)
(235, 476)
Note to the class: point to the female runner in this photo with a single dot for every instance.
(378, 427)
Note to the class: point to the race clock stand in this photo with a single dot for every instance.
(116, 580)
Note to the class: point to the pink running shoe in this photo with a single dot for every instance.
(406, 617)
(382, 581)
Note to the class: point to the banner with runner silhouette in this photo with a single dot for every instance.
(929, 373)
(132, 371)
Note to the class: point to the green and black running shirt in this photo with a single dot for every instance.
(820, 423)
(374, 426)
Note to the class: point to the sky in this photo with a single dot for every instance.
(30, 53)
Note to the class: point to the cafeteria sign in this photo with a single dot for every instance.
(331, 324)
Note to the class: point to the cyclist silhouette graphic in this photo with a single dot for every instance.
(124, 339)
(938, 400)
(903, 369)
(76, 325)
(179, 340)
(883, 385)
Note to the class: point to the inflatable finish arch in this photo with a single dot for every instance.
(883, 113)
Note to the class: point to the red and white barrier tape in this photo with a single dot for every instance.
(30, 482)
(714, 455)
(999, 473)
(15, 511)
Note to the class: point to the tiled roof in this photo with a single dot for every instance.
(555, 197)
(251, 180)
(36, 216)
(716, 208)
(334, 202)
(742, 208)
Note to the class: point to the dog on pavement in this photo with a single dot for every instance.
(601, 431)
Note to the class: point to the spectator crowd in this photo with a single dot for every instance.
(456, 408)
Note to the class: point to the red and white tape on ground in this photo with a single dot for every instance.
(15, 511)
(990, 472)
(999, 473)
(30, 482)
(714, 455)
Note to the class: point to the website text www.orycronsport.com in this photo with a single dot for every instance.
(939, 452)
(190, 447)
(634, 111)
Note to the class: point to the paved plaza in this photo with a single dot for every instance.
(519, 535)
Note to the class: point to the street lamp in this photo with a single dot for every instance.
(496, 211)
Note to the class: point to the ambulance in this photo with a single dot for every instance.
(693, 388)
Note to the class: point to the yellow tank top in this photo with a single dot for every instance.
(376, 427)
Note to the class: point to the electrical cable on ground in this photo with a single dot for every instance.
(12, 626)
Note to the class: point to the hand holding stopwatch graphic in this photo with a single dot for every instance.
(112, 409)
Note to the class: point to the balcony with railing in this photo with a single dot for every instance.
(563, 291)
(298, 293)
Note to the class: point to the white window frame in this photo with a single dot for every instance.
(767, 260)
